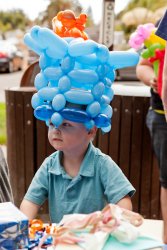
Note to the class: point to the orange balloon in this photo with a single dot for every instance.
(66, 24)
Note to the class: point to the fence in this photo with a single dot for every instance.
(128, 144)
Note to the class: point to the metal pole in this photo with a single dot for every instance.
(107, 24)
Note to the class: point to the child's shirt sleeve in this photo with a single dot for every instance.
(38, 189)
(116, 185)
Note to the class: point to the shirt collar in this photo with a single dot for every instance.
(87, 165)
(56, 167)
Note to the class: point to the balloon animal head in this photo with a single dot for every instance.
(75, 81)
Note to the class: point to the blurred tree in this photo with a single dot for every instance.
(12, 20)
(55, 6)
(149, 4)
(90, 21)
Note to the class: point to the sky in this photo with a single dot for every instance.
(33, 7)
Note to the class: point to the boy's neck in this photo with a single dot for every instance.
(72, 163)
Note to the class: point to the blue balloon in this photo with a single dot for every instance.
(68, 39)
(34, 32)
(79, 96)
(98, 90)
(88, 60)
(107, 110)
(59, 102)
(36, 101)
(43, 112)
(75, 115)
(121, 59)
(82, 48)
(48, 93)
(45, 61)
(67, 64)
(90, 124)
(93, 109)
(56, 119)
(104, 100)
(107, 82)
(53, 73)
(83, 76)
(40, 81)
(64, 84)
(53, 83)
(102, 53)
(32, 44)
(106, 129)
(109, 92)
(111, 74)
(102, 70)
(55, 46)
(75, 40)
(102, 121)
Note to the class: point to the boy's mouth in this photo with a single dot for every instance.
(57, 139)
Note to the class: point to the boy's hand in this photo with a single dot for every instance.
(153, 84)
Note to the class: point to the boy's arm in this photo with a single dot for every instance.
(125, 203)
(29, 208)
(145, 73)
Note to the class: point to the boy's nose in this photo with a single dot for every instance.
(56, 130)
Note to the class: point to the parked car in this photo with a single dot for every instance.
(32, 57)
(11, 58)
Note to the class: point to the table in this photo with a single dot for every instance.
(152, 228)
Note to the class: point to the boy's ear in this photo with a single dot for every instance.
(92, 131)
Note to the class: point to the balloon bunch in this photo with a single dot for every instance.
(37, 230)
(154, 50)
(75, 81)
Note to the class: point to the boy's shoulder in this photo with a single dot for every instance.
(51, 158)
(100, 155)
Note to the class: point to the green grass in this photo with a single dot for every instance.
(2, 123)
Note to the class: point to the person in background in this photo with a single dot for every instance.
(5, 187)
(157, 126)
(77, 178)
(162, 33)
(164, 85)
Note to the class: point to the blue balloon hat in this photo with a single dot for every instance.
(76, 77)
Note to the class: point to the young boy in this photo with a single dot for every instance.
(77, 178)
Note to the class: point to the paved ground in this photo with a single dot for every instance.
(9, 80)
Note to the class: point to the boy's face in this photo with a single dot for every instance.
(69, 136)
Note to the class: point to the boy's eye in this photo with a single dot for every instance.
(51, 124)
(65, 124)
